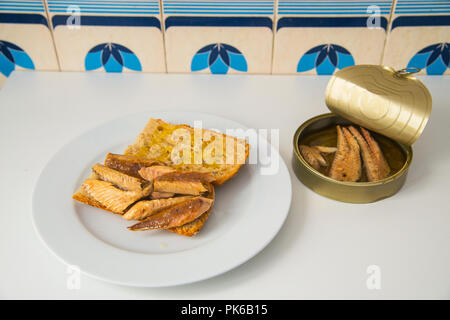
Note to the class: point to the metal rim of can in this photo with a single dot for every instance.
(407, 72)
(409, 156)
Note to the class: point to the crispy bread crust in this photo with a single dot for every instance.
(222, 174)
(221, 180)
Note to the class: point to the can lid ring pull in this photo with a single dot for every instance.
(407, 71)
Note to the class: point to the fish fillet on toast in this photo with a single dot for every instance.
(111, 190)
(166, 180)
(128, 164)
(153, 172)
(82, 196)
(161, 195)
(193, 227)
(170, 174)
(111, 197)
(176, 215)
(145, 208)
(121, 180)
(194, 188)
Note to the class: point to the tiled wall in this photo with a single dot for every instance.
(318, 37)
(420, 36)
(219, 36)
(229, 36)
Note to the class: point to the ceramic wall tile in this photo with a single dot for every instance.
(25, 38)
(319, 37)
(111, 36)
(211, 36)
(420, 36)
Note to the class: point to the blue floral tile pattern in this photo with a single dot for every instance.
(12, 55)
(325, 59)
(112, 57)
(435, 59)
(219, 57)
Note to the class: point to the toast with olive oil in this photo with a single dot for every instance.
(208, 151)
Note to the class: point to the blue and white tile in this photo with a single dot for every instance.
(25, 38)
(107, 35)
(320, 37)
(219, 37)
(420, 36)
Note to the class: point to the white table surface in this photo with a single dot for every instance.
(322, 251)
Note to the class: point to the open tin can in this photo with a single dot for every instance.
(394, 105)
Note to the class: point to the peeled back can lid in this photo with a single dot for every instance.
(392, 103)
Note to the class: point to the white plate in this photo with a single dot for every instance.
(248, 212)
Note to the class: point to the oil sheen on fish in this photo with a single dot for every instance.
(378, 154)
(182, 187)
(374, 162)
(309, 156)
(121, 180)
(113, 198)
(346, 165)
(324, 149)
(170, 174)
(146, 208)
(150, 173)
(161, 195)
(175, 216)
(128, 164)
(187, 176)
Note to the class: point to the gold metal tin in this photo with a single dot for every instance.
(354, 192)
(392, 103)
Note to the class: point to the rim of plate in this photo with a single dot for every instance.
(218, 257)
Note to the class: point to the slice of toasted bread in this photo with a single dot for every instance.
(158, 139)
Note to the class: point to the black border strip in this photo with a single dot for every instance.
(23, 18)
(421, 21)
(109, 21)
(326, 22)
(189, 21)
(243, 309)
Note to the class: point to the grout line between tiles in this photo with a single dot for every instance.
(163, 30)
(274, 26)
(388, 31)
(51, 33)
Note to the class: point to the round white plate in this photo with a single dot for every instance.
(248, 212)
